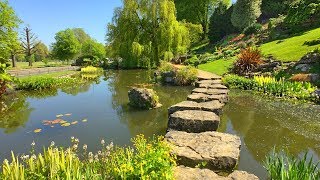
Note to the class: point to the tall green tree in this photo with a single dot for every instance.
(198, 12)
(81, 35)
(41, 52)
(272, 8)
(66, 46)
(142, 31)
(220, 23)
(245, 13)
(93, 48)
(9, 22)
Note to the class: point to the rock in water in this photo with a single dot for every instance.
(218, 151)
(193, 121)
(143, 98)
(212, 106)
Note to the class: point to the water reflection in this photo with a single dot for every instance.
(264, 124)
(16, 115)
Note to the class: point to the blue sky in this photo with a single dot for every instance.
(46, 17)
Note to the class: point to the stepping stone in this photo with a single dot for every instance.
(193, 121)
(200, 97)
(218, 151)
(210, 91)
(187, 173)
(240, 175)
(217, 86)
(209, 77)
(208, 82)
(212, 106)
(222, 98)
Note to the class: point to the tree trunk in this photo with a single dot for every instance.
(13, 59)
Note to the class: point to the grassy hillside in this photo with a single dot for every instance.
(292, 49)
(218, 67)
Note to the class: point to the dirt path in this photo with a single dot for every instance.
(36, 71)
(202, 75)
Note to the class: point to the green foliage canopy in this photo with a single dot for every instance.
(142, 31)
(93, 48)
(66, 46)
(8, 35)
(245, 13)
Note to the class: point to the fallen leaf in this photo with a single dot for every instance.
(85, 120)
(74, 122)
(37, 130)
(69, 114)
(59, 115)
(52, 126)
(65, 124)
(63, 121)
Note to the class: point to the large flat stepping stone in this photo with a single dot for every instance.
(219, 151)
(187, 173)
(212, 106)
(212, 86)
(193, 121)
(210, 91)
(208, 76)
(200, 97)
(208, 82)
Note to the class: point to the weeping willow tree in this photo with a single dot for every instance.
(143, 31)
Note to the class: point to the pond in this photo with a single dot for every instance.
(100, 110)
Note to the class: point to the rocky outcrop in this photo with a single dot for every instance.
(219, 151)
(310, 58)
(143, 98)
(212, 106)
(187, 173)
(193, 121)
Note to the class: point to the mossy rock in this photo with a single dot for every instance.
(143, 98)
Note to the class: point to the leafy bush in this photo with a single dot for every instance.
(303, 14)
(5, 78)
(148, 159)
(193, 61)
(284, 167)
(271, 86)
(248, 60)
(39, 83)
(253, 29)
(274, 22)
(90, 70)
(186, 75)
(165, 67)
(168, 56)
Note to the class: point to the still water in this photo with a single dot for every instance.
(262, 124)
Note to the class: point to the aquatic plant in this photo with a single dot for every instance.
(41, 82)
(186, 75)
(281, 166)
(147, 159)
(271, 86)
(90, 70)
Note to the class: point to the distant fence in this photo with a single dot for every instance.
(35, 71)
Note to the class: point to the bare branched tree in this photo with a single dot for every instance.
(29, 43)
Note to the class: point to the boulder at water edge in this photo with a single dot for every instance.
(143, 98)
(217, 151)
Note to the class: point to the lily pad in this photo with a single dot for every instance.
(65, 124)
(59, 115)
(84, 120)
(63, 121)
(37, 130)
(69, 114)
(74, 122)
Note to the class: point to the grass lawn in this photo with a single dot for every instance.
(291, 49)
(53, 74)
(219, 67)
(25, 65)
